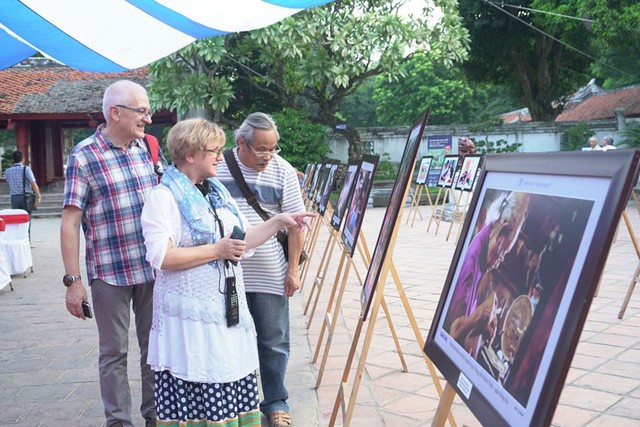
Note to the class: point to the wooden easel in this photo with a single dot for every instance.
(421, 187)
(415, 203)
(347, 402)
(439, 219)
(461, 213)
(444, 407)
(634, 279)
(331, 319)
(434, 211)
(310, 244)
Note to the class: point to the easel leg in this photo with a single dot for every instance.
(312, 246)
(318, 283)
(434, 210)
(456, 210)
(627, 298)
(396, 341)
(444, 407)
(413, 203)
(439, 219)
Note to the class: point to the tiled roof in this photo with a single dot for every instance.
(521, 115)
(603, 105)
(40, 86)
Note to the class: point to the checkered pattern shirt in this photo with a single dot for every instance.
(13, 176)
(110, 185)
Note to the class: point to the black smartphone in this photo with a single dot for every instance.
(86, 309)
(237, 234)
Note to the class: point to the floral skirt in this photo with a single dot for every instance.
(183, 403)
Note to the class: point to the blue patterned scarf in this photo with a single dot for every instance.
(195, 208)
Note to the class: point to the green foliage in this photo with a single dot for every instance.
(386, 169)
(576, 136)
(302, 142)
(7, 161)
(630, 137)
(485, 146)
(359, 108)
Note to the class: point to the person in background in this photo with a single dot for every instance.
(269, 278)
(22, 184)
(109, 176)
(607, 144)
(593, 143)
(200, 347)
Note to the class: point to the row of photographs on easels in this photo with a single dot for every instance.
(466, 178)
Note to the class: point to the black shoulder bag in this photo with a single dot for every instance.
(29, 198)
(236, 173)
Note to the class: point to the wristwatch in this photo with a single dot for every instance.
(70, 279)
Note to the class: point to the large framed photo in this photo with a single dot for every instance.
(423, 170)
(468, 172)
(358, 203)
(448, 171)
(308, 175)
(522, 278)
(397, 199)
(313, 187)
(328, 186)
(345, 195)
(322, 180)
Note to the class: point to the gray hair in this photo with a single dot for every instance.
(608, 139)
(255, 121)
(119, 93)
(593, 138)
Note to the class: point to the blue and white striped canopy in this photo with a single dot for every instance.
(116, 35)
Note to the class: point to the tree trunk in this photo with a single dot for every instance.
(355, 144)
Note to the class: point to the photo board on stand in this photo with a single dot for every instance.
(328, 186)
(533, 245)
(423, 170)
(358, 205)
(308, 175)
(322, 180)
(345, 195)
(313, 187)
(448, 171)
(397, 199)
(468, 172)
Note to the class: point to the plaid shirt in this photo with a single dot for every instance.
(110, 185)
(13, 175)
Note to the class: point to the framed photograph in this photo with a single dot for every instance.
(358, 204)
(423, 170)
(448, 171)
(345, 194)
(328, 186)
(324, 174)
(308, 175)
(468, 172)
(313, 187)
(523, 275)
(396, 201)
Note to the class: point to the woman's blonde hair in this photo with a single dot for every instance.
(192, 135)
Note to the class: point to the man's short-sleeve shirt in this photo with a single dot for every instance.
(14, 176)
(277, 190)
(110, 185)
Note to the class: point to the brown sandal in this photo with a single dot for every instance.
(279, 419)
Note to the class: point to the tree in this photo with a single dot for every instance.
(505, 50)
(318, 57)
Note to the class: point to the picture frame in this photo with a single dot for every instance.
(446, 178)
(358, 203)
(308, 175)
(423, 170)
(345, 195)
(468, 172)
(313, 187)
(396, 201)
(322, 180)
(507, 325)
(328, 186)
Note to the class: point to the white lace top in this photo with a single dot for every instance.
(189, 334)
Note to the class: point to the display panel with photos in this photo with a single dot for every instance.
(328, 186)
(308, 175)
(423, 170)
(448, 171)
(396, 201)
(345, 195)
(468, 172)
(313, 187)
(324, 174)
(358, 203)
(523, 275)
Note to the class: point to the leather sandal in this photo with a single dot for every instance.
(279, 419)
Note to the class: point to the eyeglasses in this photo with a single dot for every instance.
(142, 111)
(216, 152)
(266, 153)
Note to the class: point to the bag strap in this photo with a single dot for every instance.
(24, 179)
(152, 146)
(236, 173)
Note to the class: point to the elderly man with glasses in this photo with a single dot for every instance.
(269, 278)
(109, 176)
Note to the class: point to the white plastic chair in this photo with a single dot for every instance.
(14, 241)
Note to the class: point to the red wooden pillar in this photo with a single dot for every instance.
(22, 138)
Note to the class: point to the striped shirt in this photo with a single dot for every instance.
(14, 174)
(277, 190)
(110, 185)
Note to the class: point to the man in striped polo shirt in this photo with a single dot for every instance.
(269, 278)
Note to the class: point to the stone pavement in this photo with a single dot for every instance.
(48, 359)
